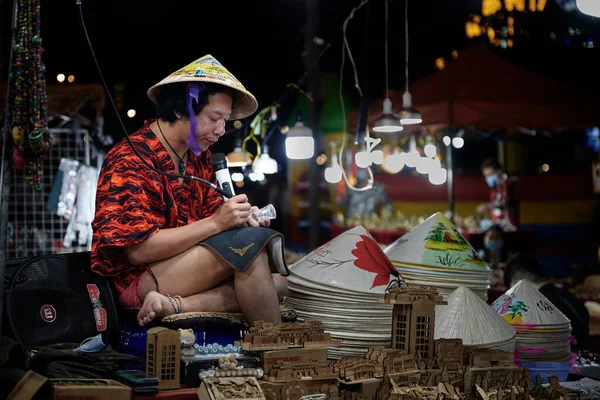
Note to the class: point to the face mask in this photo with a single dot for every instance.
(494, 246)
(91, 345)
(492, 180)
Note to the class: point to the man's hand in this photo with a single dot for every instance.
(234, 212)
(252, 222)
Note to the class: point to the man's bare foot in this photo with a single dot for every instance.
(155, 305)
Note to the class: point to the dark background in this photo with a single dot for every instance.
(262, 42)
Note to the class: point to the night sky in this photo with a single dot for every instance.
(261, 42)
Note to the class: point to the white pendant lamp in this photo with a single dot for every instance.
(265, 164)
(299, 141)
(408, 114)
(387, 122)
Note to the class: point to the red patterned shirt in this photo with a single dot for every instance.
(133, 202)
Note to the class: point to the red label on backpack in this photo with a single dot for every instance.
(93, 291)
(101, 319)
(48, 313)
(99, 311)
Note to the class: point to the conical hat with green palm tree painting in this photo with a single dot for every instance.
(523, 304)
(436, 244)
(352, 262)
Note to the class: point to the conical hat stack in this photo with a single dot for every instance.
(435, 253)
(543, 332)
(468, 317)
(340, 284)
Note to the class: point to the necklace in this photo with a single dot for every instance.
(181, 162)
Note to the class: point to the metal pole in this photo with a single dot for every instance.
(450, 179)
(314, 87)
(6, 171)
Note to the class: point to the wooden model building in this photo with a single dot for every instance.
(268, 336)
(449, 353)
(357, 369)
(413, 319)
(246, 388)
(163, 354)
(291, 371)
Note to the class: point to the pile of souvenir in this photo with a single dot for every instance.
(341, 284)
(468, 317)
(543, 332)
(437, 255)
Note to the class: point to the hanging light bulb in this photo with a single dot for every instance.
(387, 122)
(425, 165)
(238, 158)
(265, 164)
(589, 7)
(408, 114)
(430, 150)
(394, 162)
(447, 140)
(333, 173)
(237, 177)
(412, 157)
(299, 141)
(458, 142)
(438, 176)
(363, 159)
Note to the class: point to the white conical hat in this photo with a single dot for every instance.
(437, 244)
(469, 318)
(351, 262)
(523, 304)
(208, 69)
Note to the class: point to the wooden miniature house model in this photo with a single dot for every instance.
(413, 320)
(298, 370)
(449, 353)
(268, 336)
(163, 352)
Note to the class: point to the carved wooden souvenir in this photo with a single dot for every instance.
(270, 390)
(246, 388)
(163, 354)
(298, 370)
(268, 336)
(413, 319)
(293, 391)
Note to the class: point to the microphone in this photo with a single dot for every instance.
(219, 164)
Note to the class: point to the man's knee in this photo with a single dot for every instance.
(281, 287)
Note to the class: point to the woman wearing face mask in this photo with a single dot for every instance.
(495, 255)
(502, 207)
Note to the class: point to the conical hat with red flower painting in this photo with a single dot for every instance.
(437, 244)
(351, 262)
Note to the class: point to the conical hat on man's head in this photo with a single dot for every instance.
(436, 243)
(468, 317)
(208, 69)
(523, 304)
(352, 262)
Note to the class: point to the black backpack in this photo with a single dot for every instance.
(53, 299)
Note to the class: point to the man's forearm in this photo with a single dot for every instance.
(167, 243)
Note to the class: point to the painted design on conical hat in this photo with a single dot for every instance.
(352, 261)
(208, 69)
(436, 243)
(523, 304)
(468, 317)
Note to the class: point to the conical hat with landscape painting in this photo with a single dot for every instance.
(523, 304)
(436, 244)
(352, 262)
